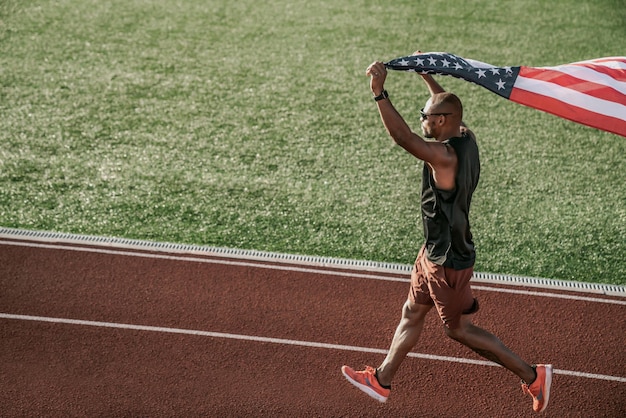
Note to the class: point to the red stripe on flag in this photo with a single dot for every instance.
(601, 91)
(568, 111)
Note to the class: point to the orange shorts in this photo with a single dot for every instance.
(447, 289)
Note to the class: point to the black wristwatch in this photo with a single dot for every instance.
(382, 95)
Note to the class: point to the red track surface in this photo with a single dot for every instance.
(49, 367)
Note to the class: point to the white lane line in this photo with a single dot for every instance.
(311, 270)
(283, 342)
(300, 260)
(549, 295)
(205, 260)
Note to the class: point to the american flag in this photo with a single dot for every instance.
(591, 93)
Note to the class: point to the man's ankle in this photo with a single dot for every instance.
(534, 378)
(381, 383)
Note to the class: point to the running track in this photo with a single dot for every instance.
(104, 327)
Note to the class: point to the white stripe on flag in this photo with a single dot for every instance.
(589, 74)
(572, 97)
(611, 62)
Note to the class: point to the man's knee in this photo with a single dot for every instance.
(458, 332)
(414, 312)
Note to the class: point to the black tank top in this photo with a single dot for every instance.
(445, 213)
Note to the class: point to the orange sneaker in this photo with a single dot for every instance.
(540, 388)
(367, 382)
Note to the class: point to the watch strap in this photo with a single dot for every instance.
(383, 95)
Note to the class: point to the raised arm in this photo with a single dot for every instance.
(433, 86)
(433, 152)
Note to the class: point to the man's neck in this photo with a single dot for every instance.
(450, 134)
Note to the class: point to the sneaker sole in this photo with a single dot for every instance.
(546, 388)
(371, 392)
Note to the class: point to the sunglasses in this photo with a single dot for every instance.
(425, 116)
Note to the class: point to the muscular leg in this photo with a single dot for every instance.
(406, 336)
(490, 347)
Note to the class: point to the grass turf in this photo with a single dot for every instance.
(251, 125)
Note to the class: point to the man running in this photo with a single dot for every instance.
(445, 264)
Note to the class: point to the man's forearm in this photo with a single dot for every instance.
(395, 124)
(433, 86)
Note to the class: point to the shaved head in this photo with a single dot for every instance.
(446, 103)
(442, 116)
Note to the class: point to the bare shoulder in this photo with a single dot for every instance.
(445, 166)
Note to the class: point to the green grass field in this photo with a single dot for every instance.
(250, 125)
